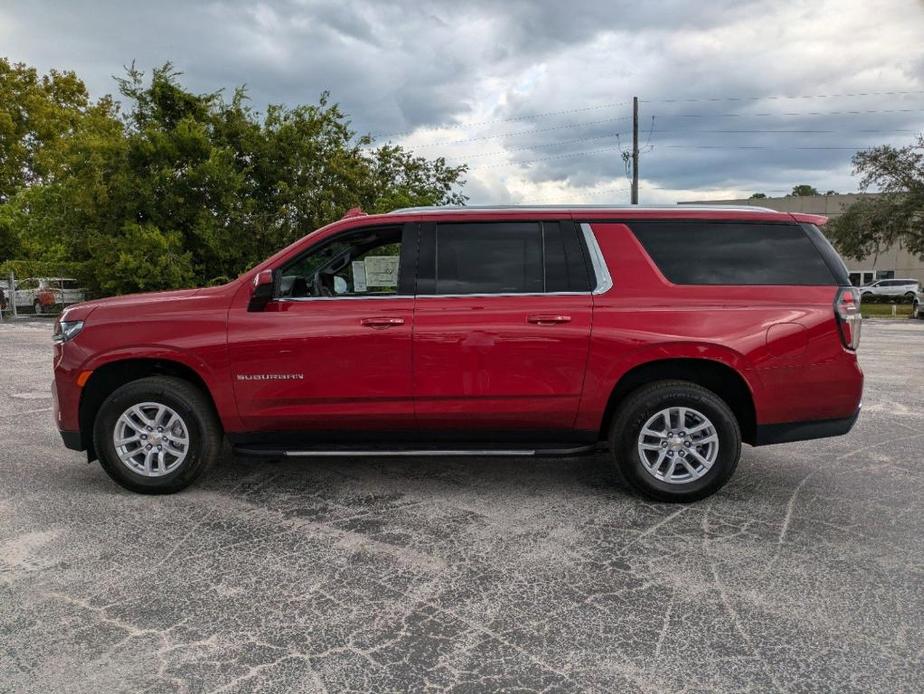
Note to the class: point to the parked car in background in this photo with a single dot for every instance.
(917, 311)
(42, 294)
(906, 289)
(668, 336)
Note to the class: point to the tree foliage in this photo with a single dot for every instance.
(181, 188)
(802, 191)
(896, 215)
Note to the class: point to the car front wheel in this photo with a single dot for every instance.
(675, 441)
(156, 435)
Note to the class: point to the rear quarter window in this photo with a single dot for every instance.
(696, 252)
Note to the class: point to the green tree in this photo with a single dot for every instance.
(182, 188)
(37, 114)
(896, 215)
(758, 196)
(142, 257)
(802, 190)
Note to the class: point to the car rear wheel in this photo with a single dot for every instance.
(675, 441)
(156, 435)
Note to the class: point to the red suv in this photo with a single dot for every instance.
(670, 335)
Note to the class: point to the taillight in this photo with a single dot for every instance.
(849, 319)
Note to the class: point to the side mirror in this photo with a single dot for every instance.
(262, 293)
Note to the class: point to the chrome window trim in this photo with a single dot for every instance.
(427, 296)
(485, 295)
(342, 298)
(604, 282)
(601, 271)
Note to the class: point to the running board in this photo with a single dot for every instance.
(408, 452)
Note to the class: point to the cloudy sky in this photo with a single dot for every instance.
(535, 96)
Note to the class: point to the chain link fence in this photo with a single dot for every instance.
(37, 296)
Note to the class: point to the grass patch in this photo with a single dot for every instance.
(885, 310)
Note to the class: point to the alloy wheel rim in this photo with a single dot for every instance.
(678, 445)
(151, 439)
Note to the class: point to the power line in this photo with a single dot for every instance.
(852, 149)
(610, 149)
(573, 125)
(521, 132)
(769, 97)
(545, 114)
(791, 113)
(560, 143)
(557, 156)
(785, 131)
(780, 97)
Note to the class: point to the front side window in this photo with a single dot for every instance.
(364, 263)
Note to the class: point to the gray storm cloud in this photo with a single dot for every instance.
(534, 95)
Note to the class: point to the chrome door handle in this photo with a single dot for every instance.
(382, 322)
(548, 319)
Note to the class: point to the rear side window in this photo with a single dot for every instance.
(502, 258)
(834, 261)
(694, 252)
(565, 265)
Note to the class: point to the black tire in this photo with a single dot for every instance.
(866, 295)
(644, 403)
(909, 296)
(196, 411)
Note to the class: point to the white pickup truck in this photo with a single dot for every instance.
(42, 294)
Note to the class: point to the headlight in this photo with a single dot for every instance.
(66, 330)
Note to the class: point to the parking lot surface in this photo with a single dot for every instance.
(806, 573)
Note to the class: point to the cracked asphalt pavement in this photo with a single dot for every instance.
(806, 573)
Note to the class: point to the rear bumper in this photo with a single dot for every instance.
(803, 431)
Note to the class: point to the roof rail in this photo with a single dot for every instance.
(541, 208)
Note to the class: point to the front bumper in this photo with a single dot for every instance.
(65, 417)
(804, 431)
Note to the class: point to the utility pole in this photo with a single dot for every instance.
(635, 150)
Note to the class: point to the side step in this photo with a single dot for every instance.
(393, 451)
